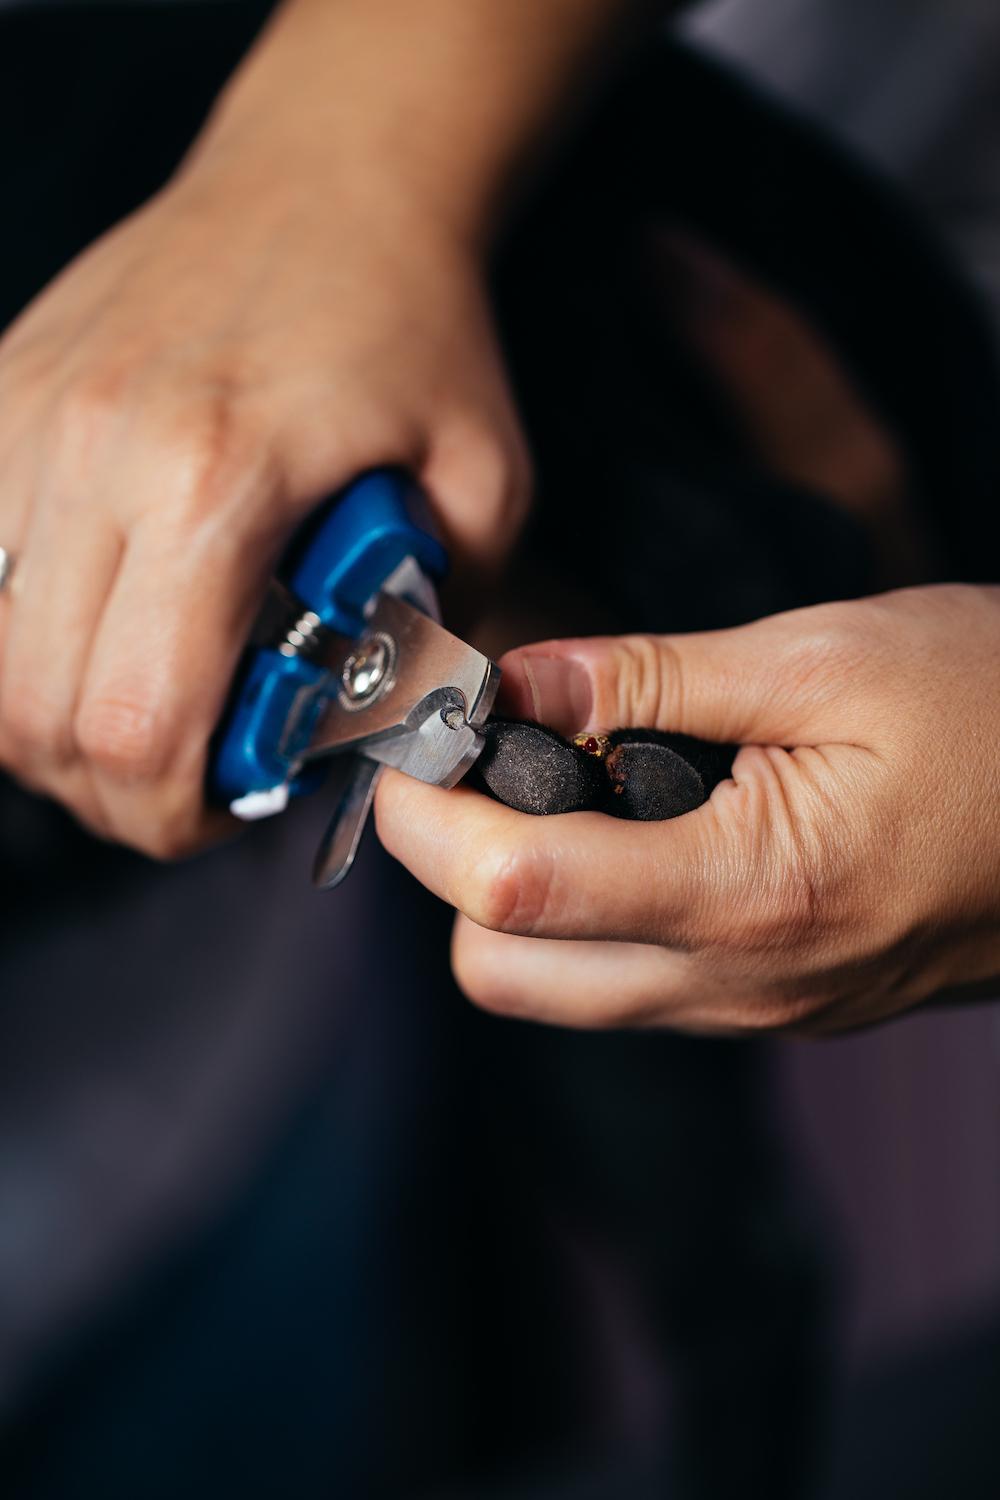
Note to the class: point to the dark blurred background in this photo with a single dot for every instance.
(900, 1124)
(279, 1214)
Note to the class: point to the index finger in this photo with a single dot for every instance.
(574, 875)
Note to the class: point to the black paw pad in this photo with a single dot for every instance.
(639, 774)
(651, 779)
(535, 770)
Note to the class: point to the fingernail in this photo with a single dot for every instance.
(554, 690)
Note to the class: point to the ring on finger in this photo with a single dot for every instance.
(7, 564)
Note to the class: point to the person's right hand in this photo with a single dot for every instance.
(171, 408)
(849, 870)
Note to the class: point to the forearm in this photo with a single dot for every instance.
(450, 100)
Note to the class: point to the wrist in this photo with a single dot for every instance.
(445, 104)
(347, 175)
(338, 141)
(334, 203)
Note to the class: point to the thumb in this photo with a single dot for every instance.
(784, 680)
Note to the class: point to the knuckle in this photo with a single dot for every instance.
(776, 927)
(37, 725)
(826, 656)
(489, 474)
(647, 682)
(514, 494)
(510, 892)
(802, 907)
(625, 1013)
(165, 845)
(87, 411)
(785, 865)
(211, 460)
(774, 1012)
(481, 981)
(489, 469)
(24, 375)
(489, 996)
(208, 447)
(121, 736)
(170, 823)
(788, 914)
(481, 978)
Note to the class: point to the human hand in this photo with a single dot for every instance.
(173, 406)
(825, 886)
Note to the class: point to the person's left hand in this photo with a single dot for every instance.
(826, 885)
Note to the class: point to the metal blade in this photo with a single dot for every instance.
(339, 844)
(434, 692)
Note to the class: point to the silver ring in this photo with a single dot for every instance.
(7, 561)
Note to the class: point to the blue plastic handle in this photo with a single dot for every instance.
(336, 564)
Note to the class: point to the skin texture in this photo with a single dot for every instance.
(305, 300)
(827, 885)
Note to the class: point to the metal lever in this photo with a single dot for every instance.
(339, 844)
(410, 695)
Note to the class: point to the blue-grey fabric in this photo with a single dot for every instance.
(913, 85)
